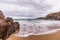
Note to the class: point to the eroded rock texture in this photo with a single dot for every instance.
(7, 26)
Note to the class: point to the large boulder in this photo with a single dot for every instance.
(7, 26)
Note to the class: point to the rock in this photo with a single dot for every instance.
(53, 16)
(7, 26)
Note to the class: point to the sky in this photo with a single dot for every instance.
(29, 9)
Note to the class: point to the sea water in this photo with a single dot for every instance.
(37, 27)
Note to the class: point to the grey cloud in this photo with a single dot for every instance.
(28, 8)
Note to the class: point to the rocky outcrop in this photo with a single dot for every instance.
(53, 16)
(7, 26)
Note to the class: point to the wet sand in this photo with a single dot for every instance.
(55, 36)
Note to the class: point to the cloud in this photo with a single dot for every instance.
(29, 8)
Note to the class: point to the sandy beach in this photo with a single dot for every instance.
(54, 36)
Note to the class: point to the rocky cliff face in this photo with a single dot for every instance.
(7, 26)
(53, 16)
